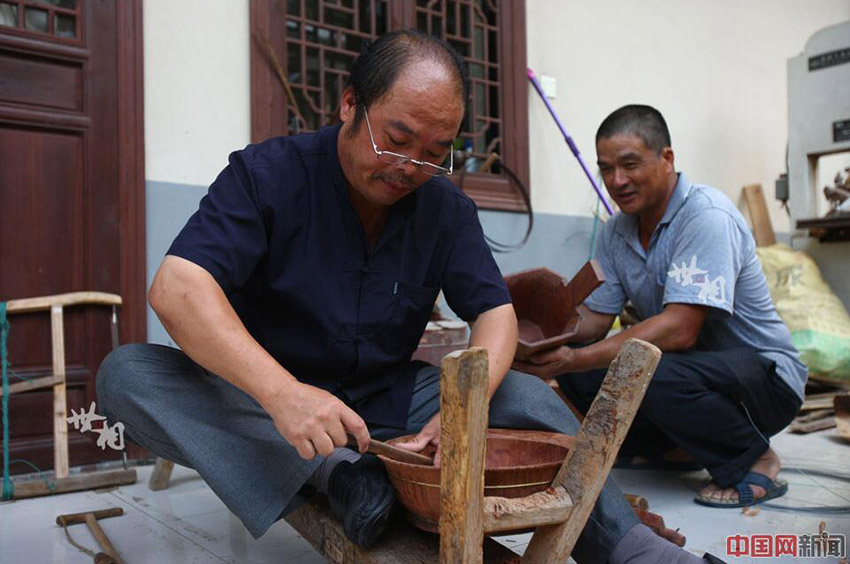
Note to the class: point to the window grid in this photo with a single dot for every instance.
(490, 34)
(472, 28)
(53, 10)
(323, 39)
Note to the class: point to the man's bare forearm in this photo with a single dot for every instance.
(198, 316)
(674, 329)
(496, 331)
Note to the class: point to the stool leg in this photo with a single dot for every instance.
(463, 432)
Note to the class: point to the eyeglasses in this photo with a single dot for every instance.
(399, 160)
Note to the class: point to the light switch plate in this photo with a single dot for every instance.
(549, 85)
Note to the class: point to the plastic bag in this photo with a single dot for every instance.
(816, 317)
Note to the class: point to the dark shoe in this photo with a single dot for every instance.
(361, 496)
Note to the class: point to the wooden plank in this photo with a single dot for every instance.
(161, 474)
(599, 439)
(822, 401)
(810, 426)
(60, 408)
(44, 303)
(549, 507)
(401, 544)
(34, 384)
(463, 441)
(762, 228)
(586, 280)
(812, 415)
(87, 481)
(842, 415)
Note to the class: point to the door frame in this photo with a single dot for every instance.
(131, 171)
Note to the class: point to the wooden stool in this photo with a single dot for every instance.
(558, 514)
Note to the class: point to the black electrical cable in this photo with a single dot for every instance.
(496, 246)
(819, 509)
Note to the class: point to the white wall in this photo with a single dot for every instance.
(715, 69)
(197, 87)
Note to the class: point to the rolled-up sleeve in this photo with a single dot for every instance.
(226, 236)
(472, 282)
(610, 297)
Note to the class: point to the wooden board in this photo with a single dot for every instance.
(87, 481)
(842, 416)
(401, 544)
(762, 228)
(463, 418)
(598, 441)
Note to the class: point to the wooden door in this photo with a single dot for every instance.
(71, 197)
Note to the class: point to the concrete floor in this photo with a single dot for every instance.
(188, 523)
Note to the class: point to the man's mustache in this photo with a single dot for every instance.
(405, 181)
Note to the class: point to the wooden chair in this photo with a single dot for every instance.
(63, 482)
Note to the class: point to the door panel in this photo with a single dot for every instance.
(69, 172)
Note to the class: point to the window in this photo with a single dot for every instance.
(314, 43)
(54, 18)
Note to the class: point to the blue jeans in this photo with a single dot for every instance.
(178, 410)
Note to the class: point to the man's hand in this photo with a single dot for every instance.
(548, 364)
(313, 420)
(430, 434)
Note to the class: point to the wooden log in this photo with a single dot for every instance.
(44, 303)
(599, 439)
(401, 544)
(87, 481)
(762, 228)
(60, 407)
(161, 474)
(463, 440)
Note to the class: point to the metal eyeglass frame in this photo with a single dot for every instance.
(397, 159)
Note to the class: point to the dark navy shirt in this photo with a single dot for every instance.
(278, 233)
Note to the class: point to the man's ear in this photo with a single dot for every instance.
(669, 158)
(348, 105)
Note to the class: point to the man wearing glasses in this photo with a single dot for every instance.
(298, 293)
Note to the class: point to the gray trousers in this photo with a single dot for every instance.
(180, 411)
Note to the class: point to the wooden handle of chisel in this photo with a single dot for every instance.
(394, 452)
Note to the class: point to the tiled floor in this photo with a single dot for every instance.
(187, 523)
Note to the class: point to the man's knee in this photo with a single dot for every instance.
(119, 376)
(526, 402)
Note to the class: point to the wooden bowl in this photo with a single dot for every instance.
(546, 305)
(517, 464)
